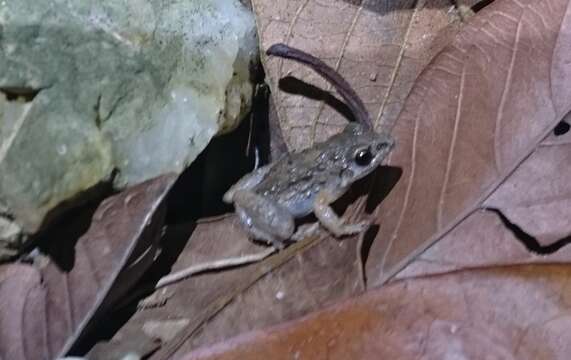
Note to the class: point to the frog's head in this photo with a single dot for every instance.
(366, 150)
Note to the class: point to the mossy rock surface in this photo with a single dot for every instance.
(95, 91)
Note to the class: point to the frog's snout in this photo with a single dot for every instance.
(384, 145)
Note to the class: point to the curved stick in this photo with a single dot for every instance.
(341, 85)
(214, 265)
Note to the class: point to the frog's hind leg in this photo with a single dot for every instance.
(306, 231)
(264, 219)
(247, 182)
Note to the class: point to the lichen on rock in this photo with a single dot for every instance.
(111, 90)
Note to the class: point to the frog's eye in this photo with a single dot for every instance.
(363, 157)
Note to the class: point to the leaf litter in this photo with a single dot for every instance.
(50, 305)
(324, 269)
(483, 177)
(481, 147)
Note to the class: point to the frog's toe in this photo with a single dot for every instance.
(305, 231)
(350, 229)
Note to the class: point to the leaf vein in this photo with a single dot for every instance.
(503, 99)
(451, 149)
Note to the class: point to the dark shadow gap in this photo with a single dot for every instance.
(366, 244)
(19, 93)
(292, 85)
(562, 128)
(529, 241)
(375, 188)
(481, 4)
(384, 179)
(173, 242)
(66, 224)
(384, 7)
(199, 189)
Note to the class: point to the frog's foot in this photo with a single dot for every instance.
(330, 220)
(350, 229)
(464, 11)
(305, 231)
(267, 238)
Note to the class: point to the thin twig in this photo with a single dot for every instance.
(214, 218)
(213, 265)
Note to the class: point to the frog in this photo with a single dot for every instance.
(268, 200)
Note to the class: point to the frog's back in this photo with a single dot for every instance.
(296, 179)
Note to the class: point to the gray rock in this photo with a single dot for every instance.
(92, 86)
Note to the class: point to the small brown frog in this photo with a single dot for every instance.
(269, 199)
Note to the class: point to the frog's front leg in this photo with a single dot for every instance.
(264, 218)
(330, 220)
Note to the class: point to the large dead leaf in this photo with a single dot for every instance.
(380, 46)
(45, 309)
(478, 111)
(530, 227)
(481, 241)
(537, 196)
(477, 307)
(193, 301)
(519, 312)
(307, 282)
(214, 306)
(471, 128)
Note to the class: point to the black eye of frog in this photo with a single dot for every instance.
(363, 157)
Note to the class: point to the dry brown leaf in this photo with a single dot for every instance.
(477, 113)
(518, 312)
(380, 46)
(469, 138)
(45, 310)
(482, 240)
(19, 283)
(537, 196)
(214, 306)
(194, 300)
(310, 280)
(189, 302)
(483, 243)
(534, 198)
(480, 109)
